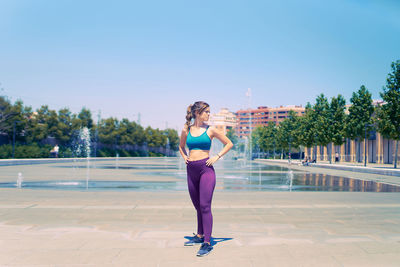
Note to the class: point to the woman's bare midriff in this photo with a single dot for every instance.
(198, 154)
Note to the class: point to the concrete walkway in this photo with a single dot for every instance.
(88, 228)
(50, 228)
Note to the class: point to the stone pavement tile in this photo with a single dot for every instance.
(340, 239)
(165, 220)
(233, 263)
(268, 241)
(391, 237)
(272, 262)
(61, 244)
(150, 226)
(331, 249)
(316, 260)
(118, 227)
(7, 256)
(97, 256)
(25, 243)
(154, 256)
(340, 229)
(278, 256)
(246, 226)
(102, 243)
(316, 254)
(189, 263)
(50, 257)
(379, 248)
(160, 234)
(98, 215)
(373, 260)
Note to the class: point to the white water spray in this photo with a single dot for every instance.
(20, 179)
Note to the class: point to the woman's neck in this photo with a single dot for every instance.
(198, 123)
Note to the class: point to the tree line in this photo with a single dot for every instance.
(328, 123)
(34, 133)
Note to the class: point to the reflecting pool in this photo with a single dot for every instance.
(169, 174)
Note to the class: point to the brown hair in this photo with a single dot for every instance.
(196, 108)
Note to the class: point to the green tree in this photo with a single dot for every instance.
(359, 119)
(85, 118)
(307, 134)
(19, 120)
(258, 138)
(173, 138)
(43, 123)
(271, 138)
(322, 122)
(388, 115)
(7, 116)
(233, 137)
(108, 131)
(154, 137)
(64, 130)
(337, 120)
(288, 132)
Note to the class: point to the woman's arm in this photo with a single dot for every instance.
(182, 144)
(227, 145)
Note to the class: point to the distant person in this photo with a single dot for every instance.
(306, 161)
(54, 151)
(336, 157)
(197, 136)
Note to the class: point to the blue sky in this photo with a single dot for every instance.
(157, 57)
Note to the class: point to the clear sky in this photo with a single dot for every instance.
(157, 57)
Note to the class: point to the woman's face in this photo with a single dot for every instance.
(205, 115)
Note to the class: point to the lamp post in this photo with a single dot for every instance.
(13, 146)
(290, 152)
(365, 144)
(248, 94)
(274, 147)
(316, 147)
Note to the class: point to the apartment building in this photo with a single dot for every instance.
(262, 116)
(223, 120)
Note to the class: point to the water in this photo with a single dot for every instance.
(20, 179)
(81, 147)
(169, 174)
(117, 161)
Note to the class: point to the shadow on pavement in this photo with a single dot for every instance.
(214, 240)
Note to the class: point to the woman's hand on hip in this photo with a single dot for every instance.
(212, 160)
(186, 160)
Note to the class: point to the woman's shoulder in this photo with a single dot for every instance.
(212, 129)
(186, 128)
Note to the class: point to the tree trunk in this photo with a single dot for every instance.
(395, 156)
(315, 153)
(330, 153)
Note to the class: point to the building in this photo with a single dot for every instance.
(223, 120)
(379, 149)
(262, 116)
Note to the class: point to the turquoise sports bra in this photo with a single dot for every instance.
(201, 142)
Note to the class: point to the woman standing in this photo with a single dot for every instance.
(200, 172)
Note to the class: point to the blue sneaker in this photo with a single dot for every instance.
(194, 241)
(204, 250)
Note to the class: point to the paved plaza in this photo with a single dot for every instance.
(133, 228)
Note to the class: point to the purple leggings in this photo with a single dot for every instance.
(201, 184)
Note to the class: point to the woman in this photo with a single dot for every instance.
(200, 172)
